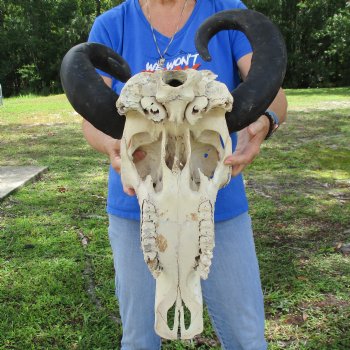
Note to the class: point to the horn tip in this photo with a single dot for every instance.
(205, 56)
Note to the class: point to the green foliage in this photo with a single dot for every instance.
(29, 77)
(35, 35)
(317, 34)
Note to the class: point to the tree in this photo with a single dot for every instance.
(317, 39)
(35, 35)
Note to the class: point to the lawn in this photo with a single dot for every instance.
(56, 271)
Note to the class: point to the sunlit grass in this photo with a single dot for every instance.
(36, 110)
(312, 97)
(299, 192)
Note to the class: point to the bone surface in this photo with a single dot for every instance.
(178, 119)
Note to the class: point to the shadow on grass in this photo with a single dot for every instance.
(298, 198)
(62, 148)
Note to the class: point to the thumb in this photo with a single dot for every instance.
(258, 126)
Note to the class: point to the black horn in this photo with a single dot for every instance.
(86, 90)
(255, 94)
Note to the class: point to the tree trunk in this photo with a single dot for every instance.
(98, 7)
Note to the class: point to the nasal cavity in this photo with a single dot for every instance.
(174, 78)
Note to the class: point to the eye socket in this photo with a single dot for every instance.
(195, 110)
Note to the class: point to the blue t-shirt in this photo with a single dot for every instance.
(126, 30)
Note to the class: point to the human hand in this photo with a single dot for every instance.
(113, 150)
(137, 156)
(248, 145)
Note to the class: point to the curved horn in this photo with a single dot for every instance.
(255, 94)
(86, 90)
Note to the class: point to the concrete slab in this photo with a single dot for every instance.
(14, 177)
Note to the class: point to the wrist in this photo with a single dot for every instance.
(266, 121)
(273, 122)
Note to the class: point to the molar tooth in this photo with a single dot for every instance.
(148, 227)
(150, 256)
(148, 207)
(205, 206)
(205, 240)
(148, 242)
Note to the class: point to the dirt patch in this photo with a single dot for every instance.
(303, 186)
(297, 319)
(329, 301)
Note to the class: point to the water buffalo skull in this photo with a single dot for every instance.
(182, 121)
(178, 119)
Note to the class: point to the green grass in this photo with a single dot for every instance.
(316, 98)
(299, 191)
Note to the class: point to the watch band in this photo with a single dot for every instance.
(274, 122)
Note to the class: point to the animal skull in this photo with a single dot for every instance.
(178, 119)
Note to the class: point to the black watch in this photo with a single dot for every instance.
(274, 122)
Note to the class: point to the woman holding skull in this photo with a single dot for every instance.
(160, 34)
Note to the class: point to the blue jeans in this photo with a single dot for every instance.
(232, 291)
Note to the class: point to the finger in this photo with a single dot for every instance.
(116, 146)
(139, 155)
(129, 191)
(236, 170)
(236, 159)
(244, 158)
(116, 164)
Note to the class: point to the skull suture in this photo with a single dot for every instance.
(178, 119)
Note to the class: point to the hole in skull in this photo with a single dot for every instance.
(187, 315)
(204, 157)
(171, 316)
(175, 153)
(152, 109)
(174, 78)
(175, 82)
(195, 110)
(149, 165)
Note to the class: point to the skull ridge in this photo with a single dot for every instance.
(178, 119)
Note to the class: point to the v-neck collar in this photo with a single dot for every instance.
(161, 37)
